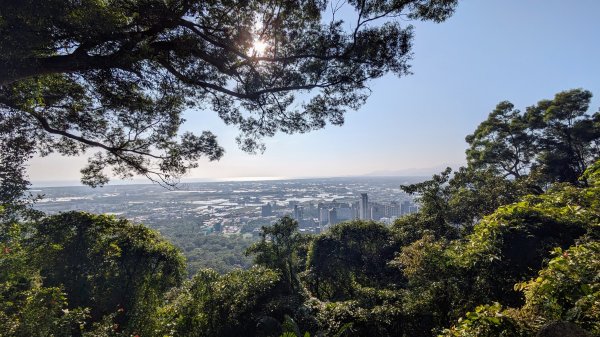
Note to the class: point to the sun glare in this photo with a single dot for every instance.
(259, 47)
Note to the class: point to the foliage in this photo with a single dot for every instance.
(568, 141)
(347, 272)
(40, 311)
(291, 329)
(486, 321)
(349, 254)
(433, 196)
(477, 193)
(567, 289)
(13, 183)
(447, 279)
(592, 173)
(219, 305)
(553, 141)
(434, 294)
(451, 203)
(564, 290)
(511, 154)
(502, 142)
(217, 252)
(509, 245)
(107, 265)
(278, 249)
(116, 75)
(27, 307)
(359, 318)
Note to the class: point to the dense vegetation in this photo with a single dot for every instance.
(218, 252)
(507, 246)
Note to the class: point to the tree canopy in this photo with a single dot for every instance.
(115, 75)
(486, 255)
(552, 141)
(67, 273)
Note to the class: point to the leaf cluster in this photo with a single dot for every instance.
(115, 76)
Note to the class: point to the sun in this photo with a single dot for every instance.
(259, 47)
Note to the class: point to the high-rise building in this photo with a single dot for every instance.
(393, 210)
(266, 210)
(344, 212)
(323, 215)
(405, 207)
(377, 211)
(364, 207)
(332, 217)
(298, 212)
(355, 207)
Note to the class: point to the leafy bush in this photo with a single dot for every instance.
(568, 289)
(219, 305)
(509, 245)
(486, 321)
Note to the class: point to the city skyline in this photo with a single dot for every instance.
(316, 204)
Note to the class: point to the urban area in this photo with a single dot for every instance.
(240, 208)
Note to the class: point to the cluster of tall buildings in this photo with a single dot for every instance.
(364, 210)
(325, 214)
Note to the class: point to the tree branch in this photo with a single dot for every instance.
(46, 126)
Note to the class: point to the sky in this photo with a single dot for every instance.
(488, 51)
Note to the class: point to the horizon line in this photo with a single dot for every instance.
(141, 181)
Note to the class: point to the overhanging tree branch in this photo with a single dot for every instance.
(84, 64)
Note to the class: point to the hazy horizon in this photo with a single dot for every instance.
(412, 173)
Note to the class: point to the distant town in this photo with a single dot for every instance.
(240, 208)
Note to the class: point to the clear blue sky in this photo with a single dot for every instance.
(489, 51)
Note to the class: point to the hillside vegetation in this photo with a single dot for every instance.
(502, 247)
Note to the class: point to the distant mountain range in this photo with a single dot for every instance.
(411, 171)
